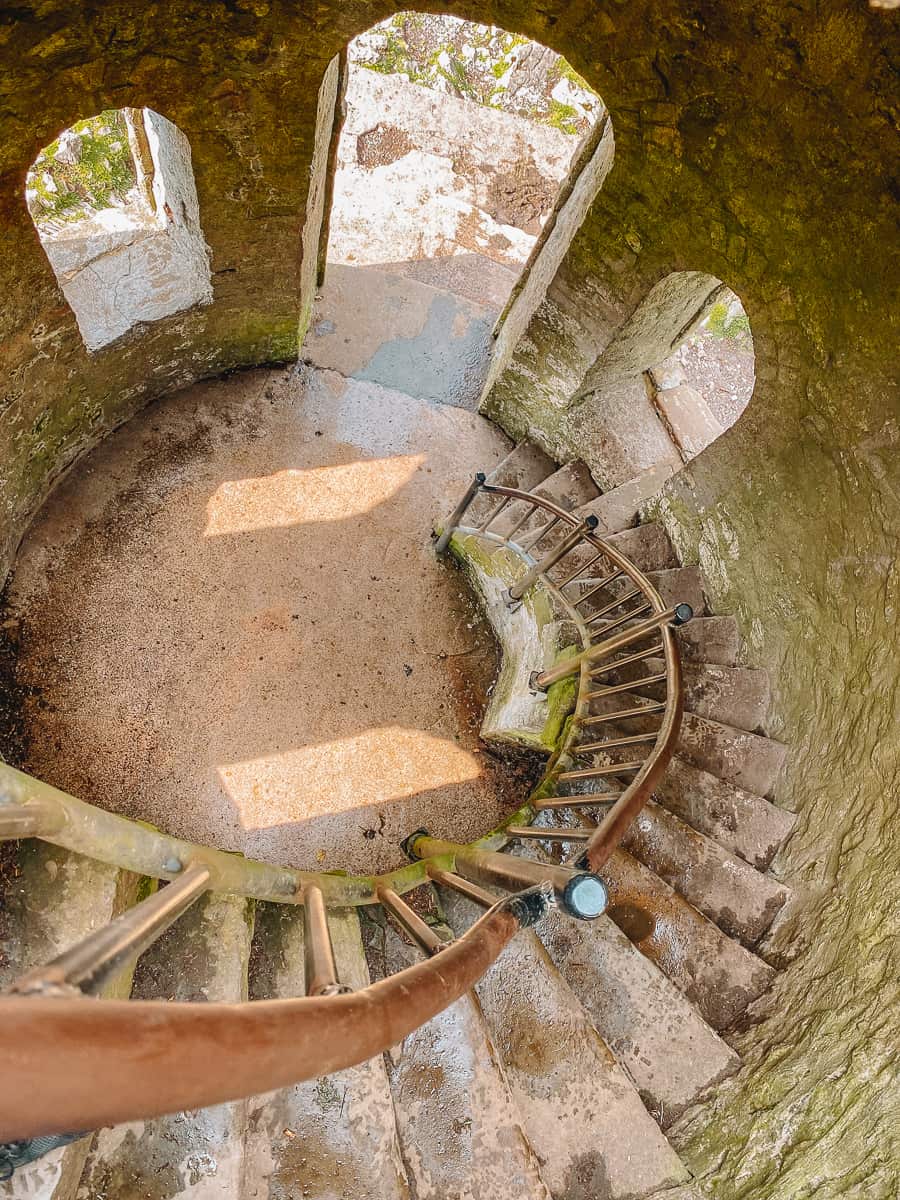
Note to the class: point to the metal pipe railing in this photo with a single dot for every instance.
(568, 544)
(679, 615)
(320, 970)
(579, 893)
(73, 1065)
(410, 922)
(35, 819)
(457, 515)
(87, 965)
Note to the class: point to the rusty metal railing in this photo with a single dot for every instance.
(73, 1063)
(615, 610)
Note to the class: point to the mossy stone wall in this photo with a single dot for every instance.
(752, 143)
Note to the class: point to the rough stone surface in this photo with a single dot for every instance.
(330, 1137)
(124, 266)
(747, 825)
(741, 901)
(459, 1125)
(184, 591)
(581, 1113)
(618, 508)
(716, 974)
(655, 1033)
(486, 179)
(202, 958)
(401, 334)
(750, 145)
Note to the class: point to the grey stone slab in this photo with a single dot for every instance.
(742, 901)
(581, 1113)
(459, 1126)
(740, 821)
(199, 1154)
(329, 1137)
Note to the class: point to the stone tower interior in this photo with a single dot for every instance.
(226, 628)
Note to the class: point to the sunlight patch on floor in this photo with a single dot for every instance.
(298, 497)
(378, 766)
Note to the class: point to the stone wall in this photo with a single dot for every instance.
(120, 266)
(751, 144)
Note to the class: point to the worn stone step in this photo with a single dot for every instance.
(330, 1137)
(524, 467)
(52, 900)
(735, 696)
(202, 958)
(581, 1113)
(568, 487)
(710, 640)
(734, 755)
(619, 508)
(739, 899)
(656, 1034)
(680, 585)
(740, 821)
(459, 1126)
(647, 546)
(715, 972)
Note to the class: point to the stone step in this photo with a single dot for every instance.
(330, 1137)
(656, 1034)
(581, 1113)
(203, 958)
(734, 755)
(620, 507)
(740, 900)
(524, 467)
(743, 823)
(710, 640)
(647, 546)
(401, 333)
(459, 1126)
(568, 487)
(52, 900)
(735, 696)
(680, 585)
(716, 973)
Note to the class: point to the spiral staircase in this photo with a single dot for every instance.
(325, 1035)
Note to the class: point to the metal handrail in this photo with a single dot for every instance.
(75, 1064)
(82, 1064)
(619, 817)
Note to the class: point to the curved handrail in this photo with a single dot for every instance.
(81, 1064)
(616, 821)
(75, 1063)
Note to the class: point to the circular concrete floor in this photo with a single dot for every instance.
(231, 623)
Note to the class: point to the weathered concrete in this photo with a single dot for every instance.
(227, 544)
(122, 266)
(749, 145)
(401, 334)
(716, 974)
(329, 1137)
(459, 1125)
(202, 958)
(51, 901)
(746, 824)
(741, 901)
(655, 1033)
(484, 179)
(580, 1111)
